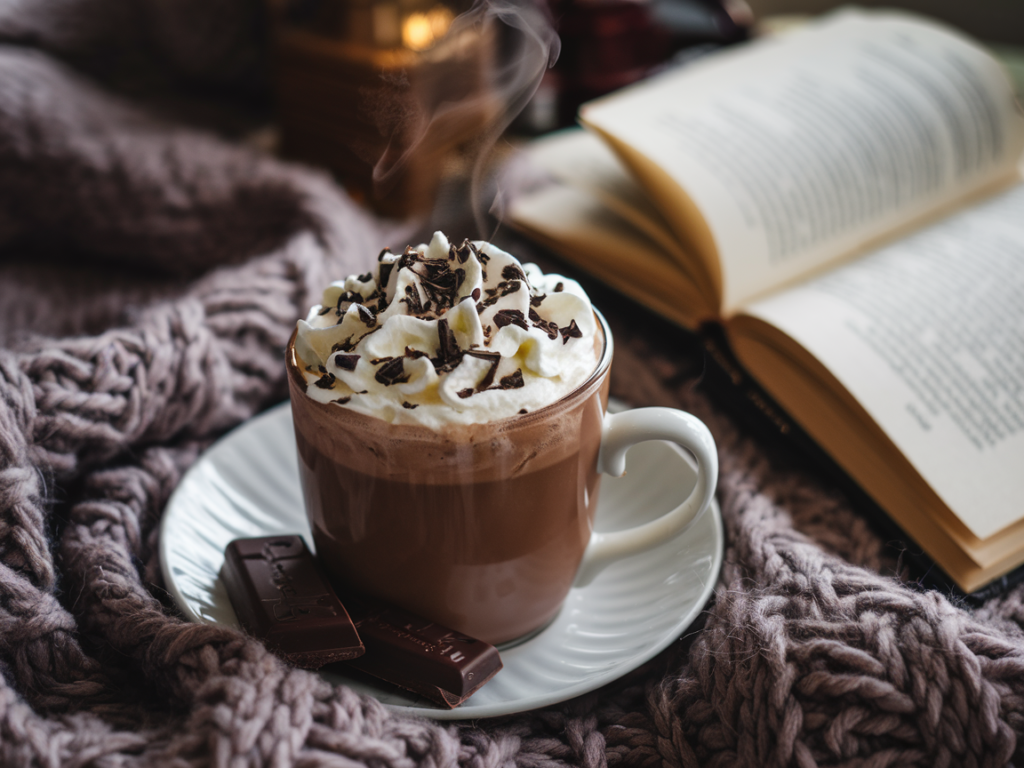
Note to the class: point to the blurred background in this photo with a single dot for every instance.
(393, 95)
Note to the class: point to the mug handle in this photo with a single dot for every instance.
(620, 432)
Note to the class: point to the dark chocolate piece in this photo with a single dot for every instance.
(326, 381)
(571, 331)
(494, 358)
(513, 380)
(512, 272)
(392, 371)
(346, 362)
(505, 317)
(434, 661)
(281, 597)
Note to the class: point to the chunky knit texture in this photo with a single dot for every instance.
(149, 277)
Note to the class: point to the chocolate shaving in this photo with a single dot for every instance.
(326, 381)
(346, 362)
(412, 299)
(535, 301)
(439, 282)
(413, 354)
(548, 326)
(385, 273)
(571, 331)
(559, 287)
(513, 380)
(463, 251)
(523, 410)
(348, 296)
(324, 311)
(382, 254)
(512, 272)
(342, 400)
(392, 371)
(475, 294)
(448, 350)
(464, 393)
(410, 406)
(369, 319)
(494, 358)
(505, 317)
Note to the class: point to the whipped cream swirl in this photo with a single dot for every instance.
(444, 334)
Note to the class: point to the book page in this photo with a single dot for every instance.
(579, 159)
(801, 149)
(578, 227)
(928, 336)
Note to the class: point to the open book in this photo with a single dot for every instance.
(845, 201)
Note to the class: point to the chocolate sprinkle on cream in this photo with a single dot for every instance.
(505, 317)
(347, 297)
(448, 350)
(366, 315)
(412, 298)
(513, 380)
(392, 371)
(495, 359)
(571, 331)
(512, 272)
(423, 315)
(346, 362)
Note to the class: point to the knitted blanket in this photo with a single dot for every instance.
(150, 274)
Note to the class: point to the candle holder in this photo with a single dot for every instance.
(382, 92)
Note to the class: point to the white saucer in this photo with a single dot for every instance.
(247, 485)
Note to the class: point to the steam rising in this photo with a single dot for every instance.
(476, 79)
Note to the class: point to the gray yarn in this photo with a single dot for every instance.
(149, 277)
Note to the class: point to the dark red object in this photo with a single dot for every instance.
(609, 44)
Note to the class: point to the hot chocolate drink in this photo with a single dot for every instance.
(480, 527)
(449, 413)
